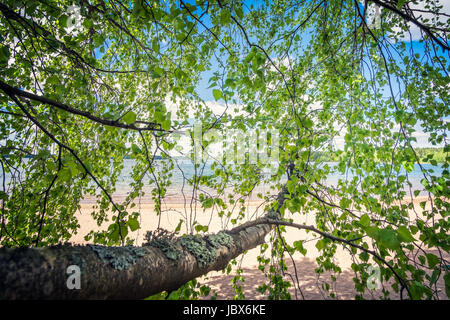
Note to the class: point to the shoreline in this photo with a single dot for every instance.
(173, 211)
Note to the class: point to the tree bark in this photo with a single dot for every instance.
(42, 273)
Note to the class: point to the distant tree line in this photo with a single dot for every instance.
(426, 155)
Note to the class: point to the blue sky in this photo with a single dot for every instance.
(418, 47)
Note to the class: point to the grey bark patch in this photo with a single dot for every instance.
(120, 258)
(47, 289)
(78, 261)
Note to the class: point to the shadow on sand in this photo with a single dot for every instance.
(310, 283)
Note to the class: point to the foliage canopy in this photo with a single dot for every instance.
(85, 84)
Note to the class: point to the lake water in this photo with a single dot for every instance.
(184, 169)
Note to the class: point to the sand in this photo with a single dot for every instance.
(299, 267)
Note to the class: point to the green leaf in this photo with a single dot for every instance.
(400, 3)
(364, 256)
(4, 54)
(373, 232)
(423, 204)
(208, 203)
(62, 21)
(88, 23)
(298, 245)
(178, 228)
(160, 117)
(133, 223)
(365, 220)
(416, 290)
(239, 12)
(217, 94)
(3, 195)
(404, 235)
(158, 72)
(130, 117)
(53, 79)
(447, 284)
(409, 166)
(165, 125)
(389, 239)
(422, 259)
(413, 229)
(436, 273)
(159, 296)
(308, 123)
(291, 186)
(65, 174)
(320, 244)
(432, 259)
(114, 234)
(199, 228)
(135, 148)
(345, 203)
(225, 17)
(155, 45)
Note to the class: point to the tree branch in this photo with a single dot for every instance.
(41, 273)
(422, 27)
(151, 126)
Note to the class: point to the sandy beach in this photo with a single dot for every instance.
(300, 268)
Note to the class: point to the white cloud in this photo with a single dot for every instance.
(419, 134)
(215, 107)
(415, 32)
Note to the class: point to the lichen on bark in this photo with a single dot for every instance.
(120, 258)
(205, 254)
(220, 239)
(165, 241)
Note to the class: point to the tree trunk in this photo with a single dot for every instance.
(112, 272)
